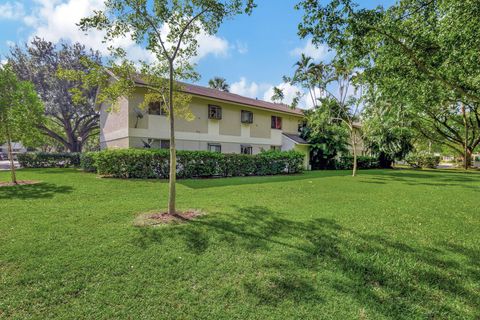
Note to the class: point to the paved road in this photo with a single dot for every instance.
(5, 165)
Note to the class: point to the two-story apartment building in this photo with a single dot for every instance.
(223, 122)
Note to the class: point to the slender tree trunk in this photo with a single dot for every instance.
(354, 147)
(173, 153)
(10, 157)
(466, 156)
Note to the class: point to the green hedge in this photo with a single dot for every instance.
(363, 162)
(87, 162)
(48, 160)
(422, 160)
(141, 163)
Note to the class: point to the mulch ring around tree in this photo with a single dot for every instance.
(159, 218)
(19, 183)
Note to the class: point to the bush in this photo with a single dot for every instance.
(87, 162)
(422, 160)
(48, 160)
(141, 163)
(363, 162)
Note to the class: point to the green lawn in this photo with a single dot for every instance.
(386, 245)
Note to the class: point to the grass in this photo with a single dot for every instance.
(397, 244)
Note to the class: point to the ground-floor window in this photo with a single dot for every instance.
(215, 147)
(245, 149)
(276, 148)
(164, 144)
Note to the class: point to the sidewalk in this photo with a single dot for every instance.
(5, 165)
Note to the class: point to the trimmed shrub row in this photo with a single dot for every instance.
(422, 160)
(48, 160)
(143, 164)
(363, 162)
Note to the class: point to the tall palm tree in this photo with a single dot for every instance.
(303, 74)
(219, 84)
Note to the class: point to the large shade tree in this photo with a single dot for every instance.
(421, 53)
(21, 112)
(168, 29)
(71, 123)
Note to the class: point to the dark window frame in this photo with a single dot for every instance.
(214, 112)
(215, 145)
(250, 116)
(276, 148)
(164, 144)
(276, 123)
(158, 107)
(246, 147)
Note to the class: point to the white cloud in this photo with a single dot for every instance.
(289, 92)
(242, 47)
(12, 10)
(56, 20)
(264, 91)
(207, 44)
(317, 53)
(244, 88)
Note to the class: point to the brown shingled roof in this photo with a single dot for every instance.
(295, 137)
(235, 98)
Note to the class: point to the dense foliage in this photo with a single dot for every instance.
(328, 139)
(363, 162)
(416, 55)
(422, 160)
(139, 163)
(20, 112)
(70, 121)
(48, 160)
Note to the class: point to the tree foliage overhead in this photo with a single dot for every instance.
(69, 121)
(422, 55)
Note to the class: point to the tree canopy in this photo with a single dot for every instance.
(168, 30)
(420, 55)
(21, 111)
(71, 122)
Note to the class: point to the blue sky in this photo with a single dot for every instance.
(251, 52)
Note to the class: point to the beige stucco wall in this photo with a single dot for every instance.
(199, 124)
(230, 124)
(116, 143)
(114, 122)
(197, 133)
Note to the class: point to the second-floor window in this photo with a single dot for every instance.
(157, 108)
(276, 122)
(247, 116)
(214, 112)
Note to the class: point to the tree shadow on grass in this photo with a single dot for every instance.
(33, 191)
(235, 181)
(387, 276)
(426, 178)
